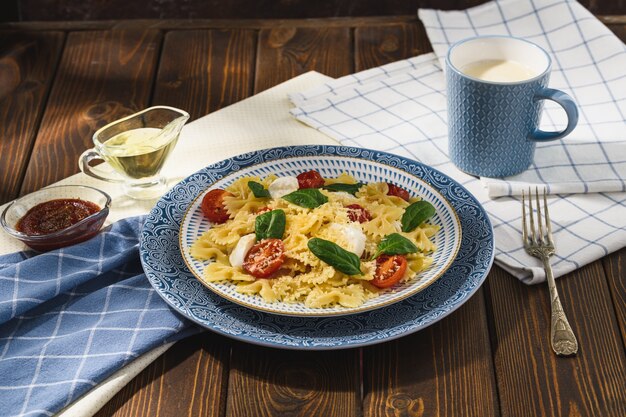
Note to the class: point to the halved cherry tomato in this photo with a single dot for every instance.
(356, 213)
(213, 206)
(310, 179)
(264, 258)
(398, 191)
(389, 270)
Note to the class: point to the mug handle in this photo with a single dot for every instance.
(83, 163)
(568, 105)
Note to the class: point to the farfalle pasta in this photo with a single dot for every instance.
(318, 241)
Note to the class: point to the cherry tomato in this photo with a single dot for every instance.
(310, 179)
(398, 191)
(213, 206)
(389, 270)
(356, 213)
(264, 258)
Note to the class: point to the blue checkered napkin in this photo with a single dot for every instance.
(401, 108)
(588, 62)
(71, 317)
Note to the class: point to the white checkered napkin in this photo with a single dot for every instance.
(403, 112)
(349, 82)
(71, 317)
(589, 63)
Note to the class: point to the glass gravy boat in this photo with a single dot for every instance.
(136, 147)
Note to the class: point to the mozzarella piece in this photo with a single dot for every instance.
(283, 186)
(354, 236)
(242, 248)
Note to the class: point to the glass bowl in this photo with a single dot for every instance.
(78, 232)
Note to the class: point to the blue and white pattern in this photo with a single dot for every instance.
(588, 63)
(448, 239)
(71, 317)
(401, 108)
(168, 273)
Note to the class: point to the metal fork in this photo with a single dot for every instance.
(539, 243)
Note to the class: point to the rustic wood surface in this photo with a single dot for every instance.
(489, 358)
(190, 24)
(102, 76)
(27, 67)
(230, 9)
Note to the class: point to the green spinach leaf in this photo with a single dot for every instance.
(395, 244)
(415, 214)
(335, 256)
(306, 197)
(270, 225)
(258, 190)
(347, 188)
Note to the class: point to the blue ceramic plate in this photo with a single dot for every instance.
(168, 273)
(447, 239)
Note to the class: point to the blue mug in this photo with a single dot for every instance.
(495, 91)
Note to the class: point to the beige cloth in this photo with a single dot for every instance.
(261, 121)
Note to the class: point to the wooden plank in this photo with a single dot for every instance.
(69, 26)
(284, 53)
(615, 264)
(10, 11)
(254, 23)
(189, 379)
(194, 24)
(27, 66)
(615, 268)
(378, 45)
(445, 370)
(294, 383)
(532, 380)
(619, 28)
(120, 9)
(213, 70)
(102, 76)
(616, 20)
(269, 382)
(605, 6)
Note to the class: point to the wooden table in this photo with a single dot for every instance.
(59, 82)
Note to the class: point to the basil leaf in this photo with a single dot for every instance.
(395, 244)
(306, 197)
(415, 214)
(258, 190)
(348, 188)
(335, 256)
(270, 225)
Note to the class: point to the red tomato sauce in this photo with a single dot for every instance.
(54, 215)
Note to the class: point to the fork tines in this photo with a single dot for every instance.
(537, 235)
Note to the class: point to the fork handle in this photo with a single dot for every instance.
(562, 337)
